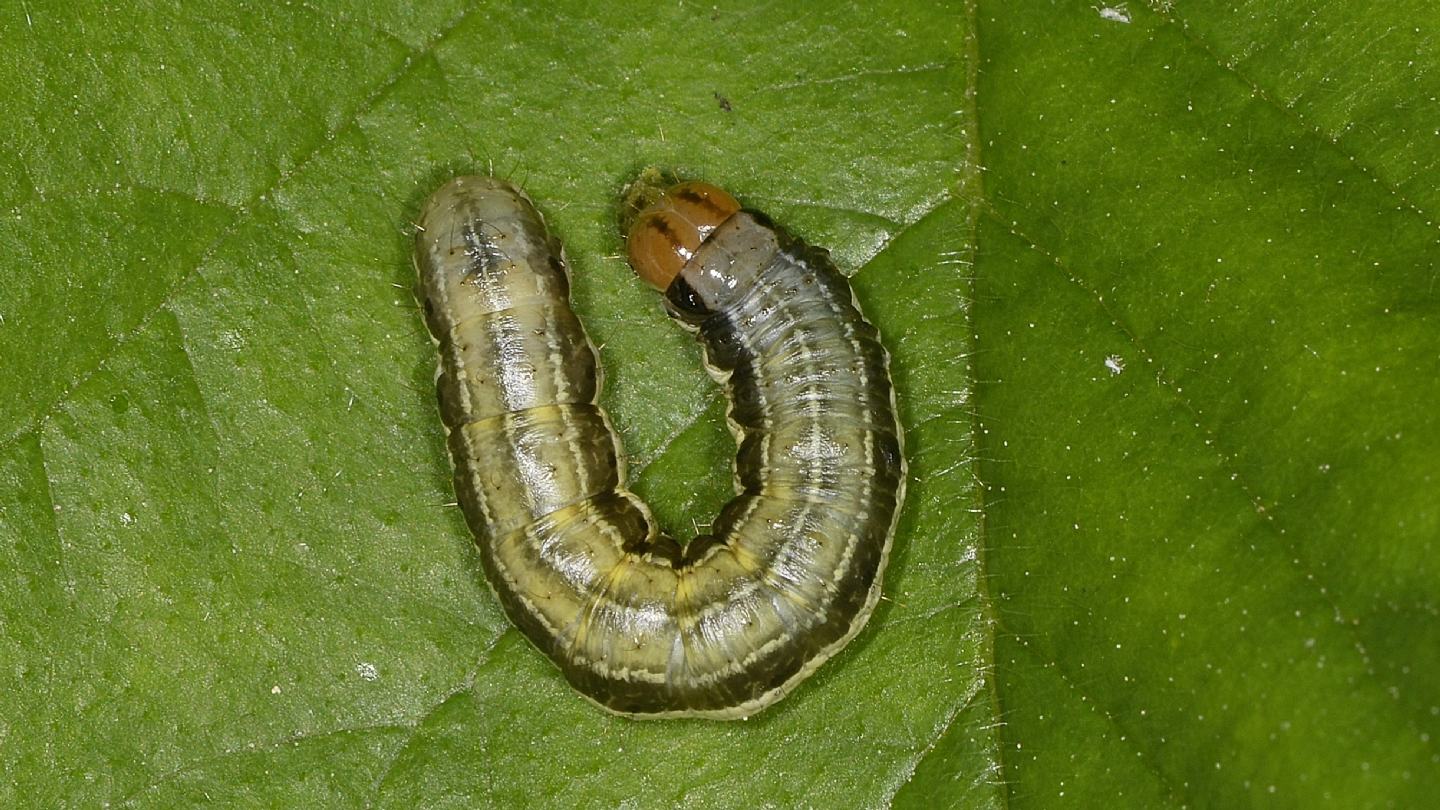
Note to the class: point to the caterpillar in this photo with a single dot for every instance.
(728, 624)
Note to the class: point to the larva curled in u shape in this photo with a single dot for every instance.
(792, 568)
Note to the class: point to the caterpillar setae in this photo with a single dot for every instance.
(792, 567)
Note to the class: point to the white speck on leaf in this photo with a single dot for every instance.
(1115, 363)
(1115, 13)
(367, 671)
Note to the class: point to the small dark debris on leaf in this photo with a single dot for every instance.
(723, 102)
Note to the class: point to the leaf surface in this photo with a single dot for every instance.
(1162, 276)
(224, 478)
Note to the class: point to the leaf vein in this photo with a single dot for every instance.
(1125, 735)
(1289, 110)
(320, 146)
(1212, 441)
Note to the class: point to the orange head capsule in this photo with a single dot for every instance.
(668, 232)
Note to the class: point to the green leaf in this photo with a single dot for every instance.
(1164, 279)
(1206, 320)
(235, 576)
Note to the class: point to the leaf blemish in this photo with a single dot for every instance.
(1114, 13)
